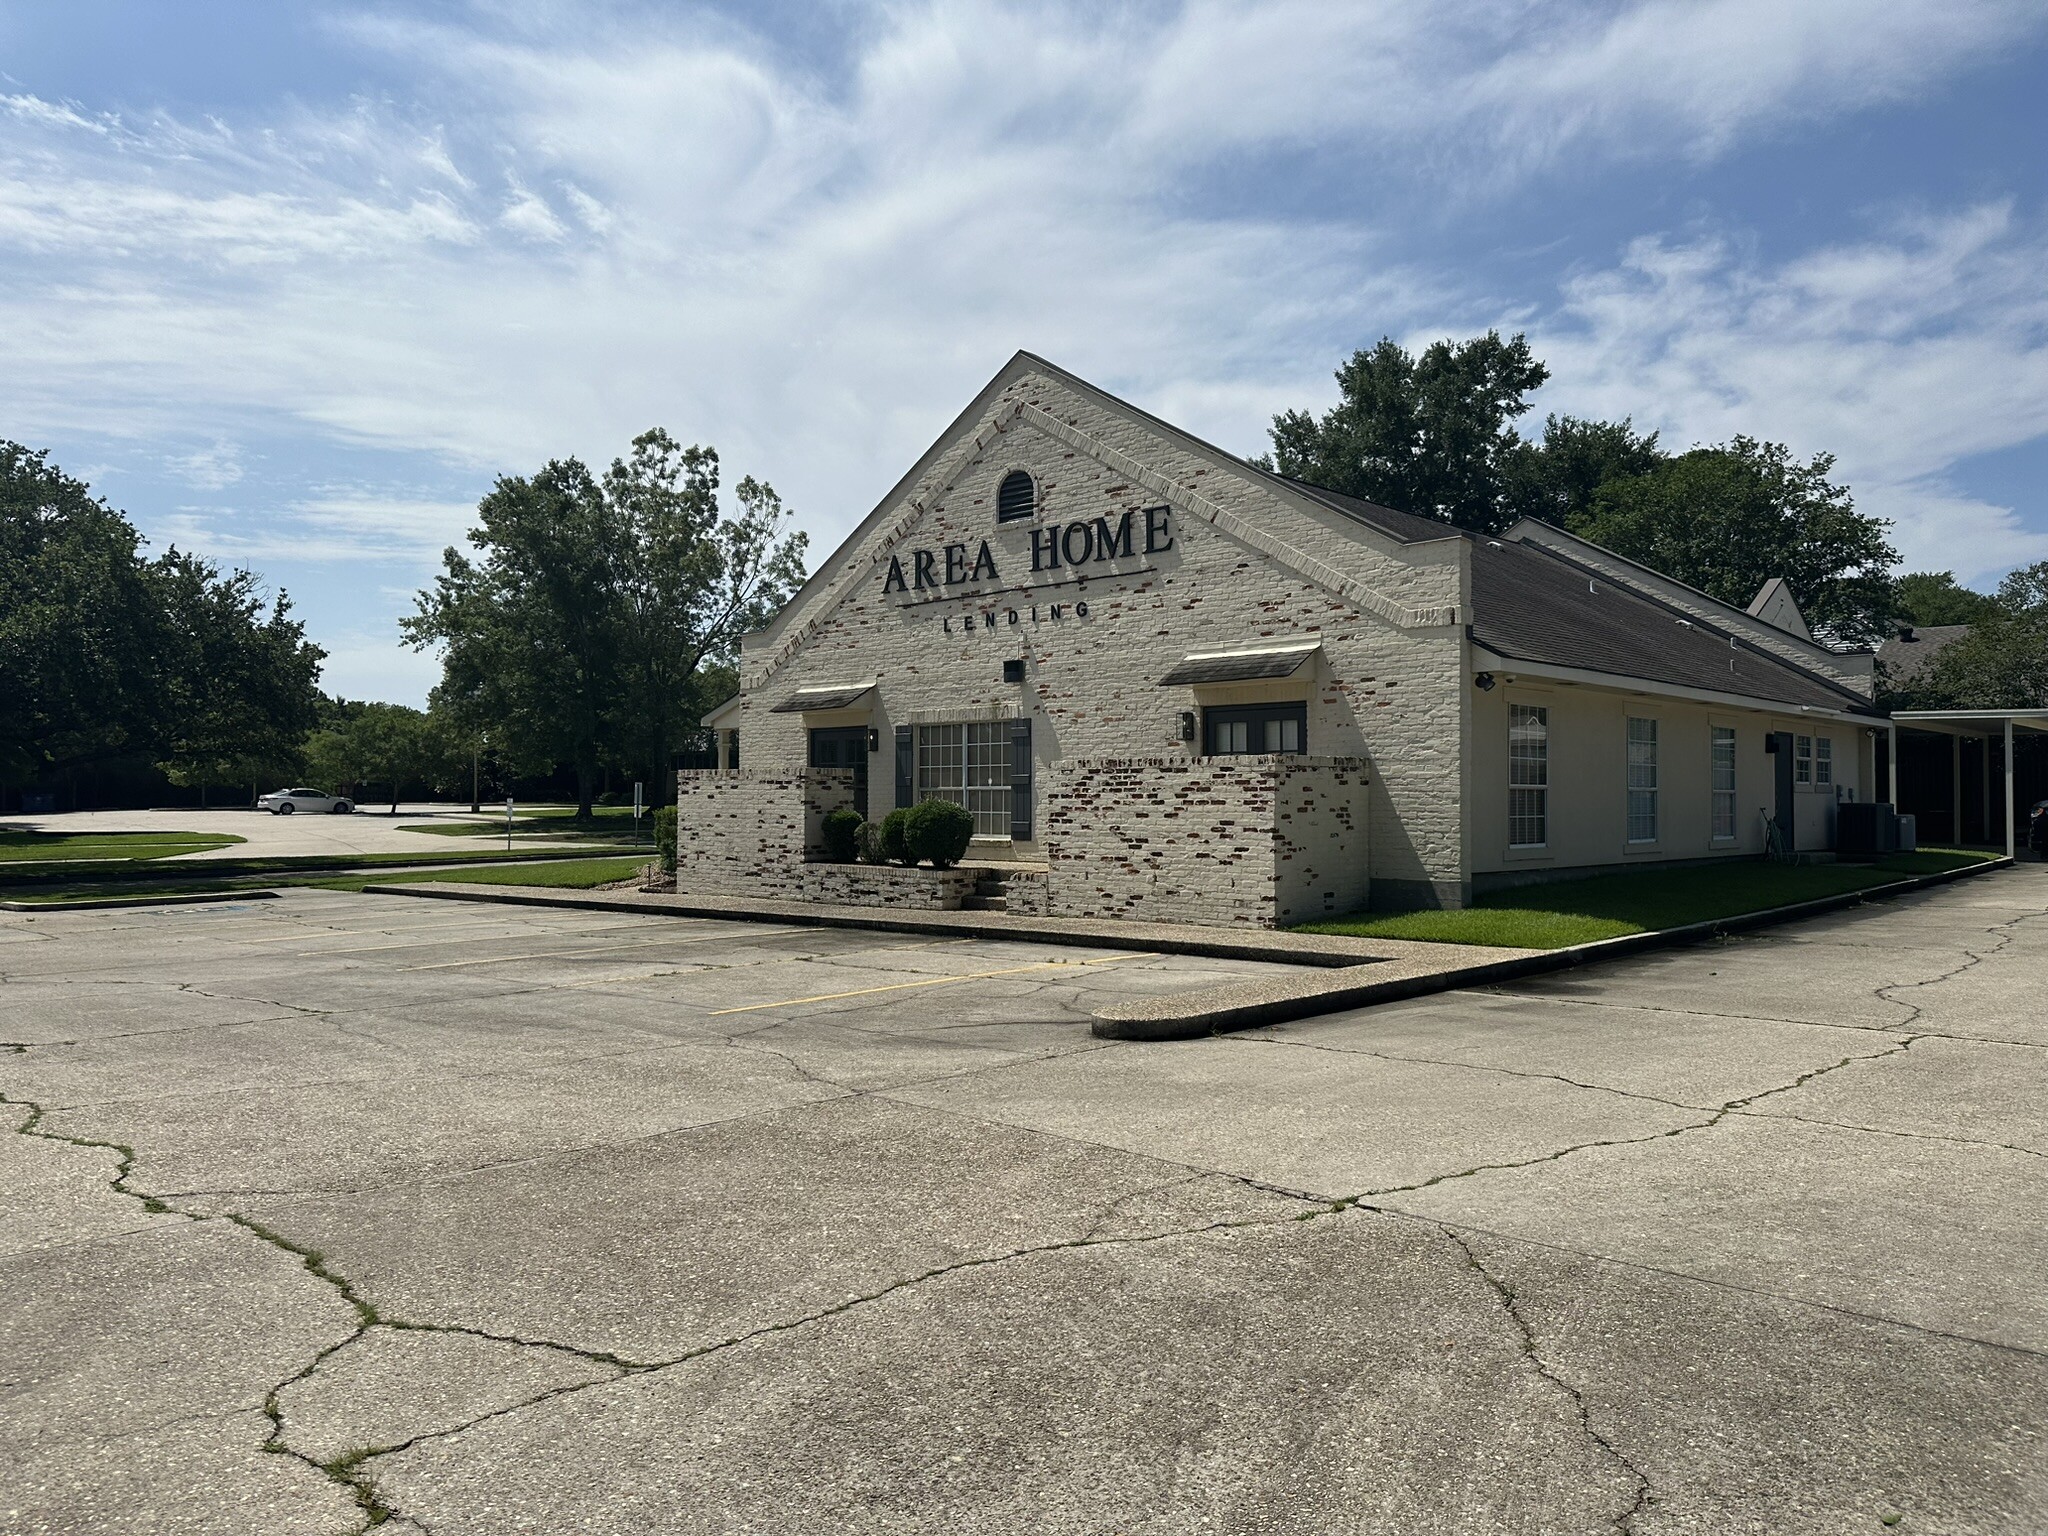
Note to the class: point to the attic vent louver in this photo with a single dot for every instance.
(1017, 498)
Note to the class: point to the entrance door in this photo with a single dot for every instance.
(845, 747)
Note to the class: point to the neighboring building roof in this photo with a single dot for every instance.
(1532, 604)
(1243, 665)
(1907, 657)
(1775, 604)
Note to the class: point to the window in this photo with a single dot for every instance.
(1528, 776)
(1017, 498)
(970, 766)
(1642, 781)
(1802, 760)
(1824, 761)
(1723, 776)
(1256, 728)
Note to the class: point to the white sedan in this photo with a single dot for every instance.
(283, 802)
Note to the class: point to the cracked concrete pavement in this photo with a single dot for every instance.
(338, 1211)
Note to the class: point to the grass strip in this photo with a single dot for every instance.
(563, 874)
(97, 847)
(30, 875)
(1551, 916)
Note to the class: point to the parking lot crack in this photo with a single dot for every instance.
(124, 1155)
(1624, 1520)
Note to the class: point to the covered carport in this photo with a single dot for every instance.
(2001, 733)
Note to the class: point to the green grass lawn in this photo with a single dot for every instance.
(564, 874)
(105, 847)
(609, 823)
(1608, 906)
(561, 874)
(18, 876)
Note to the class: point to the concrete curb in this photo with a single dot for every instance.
(1273, 948)
(100, 903)
(1260, 1003)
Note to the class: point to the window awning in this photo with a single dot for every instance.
(1244, 664)
(827, 696)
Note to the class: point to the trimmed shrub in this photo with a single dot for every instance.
(893, 846)
(867, 843)
(841, 831)
(938, 830)
(665, 837)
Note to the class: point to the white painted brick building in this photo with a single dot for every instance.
(1172, 685)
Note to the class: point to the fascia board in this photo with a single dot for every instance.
(1614, 682)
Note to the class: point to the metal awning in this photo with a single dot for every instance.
(1976, 722)
(826, 696)
(1243, 665)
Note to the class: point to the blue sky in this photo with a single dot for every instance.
(291, 284)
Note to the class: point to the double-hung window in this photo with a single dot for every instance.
(1722, 773)
(1802, 760)
(1255, 729)
(1642, 780)
(1528, 776)
(970, 766)
(1824, 761)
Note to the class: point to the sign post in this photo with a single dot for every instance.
(508, 823)
(639, 800)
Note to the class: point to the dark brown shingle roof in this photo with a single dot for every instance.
(1533, 604)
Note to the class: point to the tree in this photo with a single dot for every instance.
(1935, 597)
(1432, 435)
(106, 654)
(690, 583)
(2002, 663)
(576, 632)
(1557, 479)
(1728, 519)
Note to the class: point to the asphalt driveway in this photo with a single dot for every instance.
(490, 1220)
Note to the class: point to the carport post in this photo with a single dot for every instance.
(2011, 808)
(1891, 759)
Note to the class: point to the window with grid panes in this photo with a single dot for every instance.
(1824, 760)
(1802, 760)
(970, 766)
(1642, 780)
(1528, 776)
(1723, 778)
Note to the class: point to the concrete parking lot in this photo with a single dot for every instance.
(487, 1220)
(264, 836)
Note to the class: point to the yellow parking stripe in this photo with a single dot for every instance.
(588, 949)
(930, 981)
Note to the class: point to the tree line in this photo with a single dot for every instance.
(592, 619)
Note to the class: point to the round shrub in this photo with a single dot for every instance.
(893, 846)
(938, 830)
(665, 837)
(867, 843)
(841, 831)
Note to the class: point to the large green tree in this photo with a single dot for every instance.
(590, 608)
(1936, 597)
(2002, 663)
(690, 582)
(1432, 435)
(107, 654)
(1728, 519)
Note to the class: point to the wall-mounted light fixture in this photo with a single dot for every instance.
(1483, 682)
(874, 739)
(1187, 725)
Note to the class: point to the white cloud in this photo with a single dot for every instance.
(1901, 354)
(572, 234)
(210, 469)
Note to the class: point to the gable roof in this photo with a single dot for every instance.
(1907, 657)
(1531, 603)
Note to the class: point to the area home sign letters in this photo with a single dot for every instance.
(1056, 546)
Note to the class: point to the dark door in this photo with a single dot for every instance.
(1787, 796)
(845, 747)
